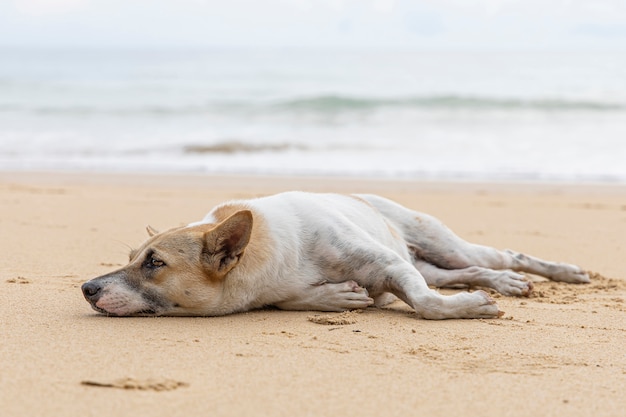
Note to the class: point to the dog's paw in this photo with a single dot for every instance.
(464, 305)
(571, 274)
(343, 296)
(511, 283)
(329, 296)
(485, 307)
(350, 295)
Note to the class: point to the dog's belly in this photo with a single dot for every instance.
(340, 270)
(367, 267)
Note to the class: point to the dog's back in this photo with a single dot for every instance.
(298, 219)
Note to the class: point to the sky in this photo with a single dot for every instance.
(425, 24)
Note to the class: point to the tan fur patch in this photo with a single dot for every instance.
(360, 200)
(393, 230)
(258, 250)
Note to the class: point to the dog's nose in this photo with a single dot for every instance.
(91, 290)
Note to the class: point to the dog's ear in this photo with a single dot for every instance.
(225, 244)
(151, 231)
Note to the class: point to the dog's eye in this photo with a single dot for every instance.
(153, 262)
(156, 262)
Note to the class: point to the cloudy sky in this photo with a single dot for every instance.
(543, 24)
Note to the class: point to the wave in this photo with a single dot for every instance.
(327, 104)
(234, 146)
(91, 110)
(460, 102)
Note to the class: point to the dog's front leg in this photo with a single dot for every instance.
(327, 296)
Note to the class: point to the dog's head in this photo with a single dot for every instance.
(179, 272)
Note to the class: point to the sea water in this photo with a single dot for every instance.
(545, 116)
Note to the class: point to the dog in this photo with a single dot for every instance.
(307, 251)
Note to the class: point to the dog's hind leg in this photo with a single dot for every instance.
(506, 282)
(403, 280)
(327, 296)
(439, 246)
(430, 240)
(442, 248)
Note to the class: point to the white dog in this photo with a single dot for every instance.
(304, 251)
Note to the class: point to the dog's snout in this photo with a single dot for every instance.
(91, 290)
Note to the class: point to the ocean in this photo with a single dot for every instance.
(484, 116)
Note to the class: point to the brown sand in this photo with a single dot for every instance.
(560, 352)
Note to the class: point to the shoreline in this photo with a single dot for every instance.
(184, 179)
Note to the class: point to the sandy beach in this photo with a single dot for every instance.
(558, 353)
